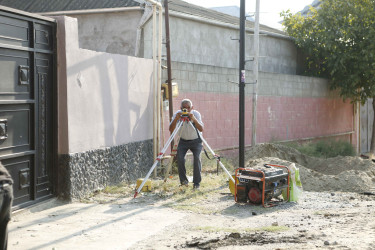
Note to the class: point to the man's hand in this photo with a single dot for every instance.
(192, 117)
(196, 122)
(172, 126)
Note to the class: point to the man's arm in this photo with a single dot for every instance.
(172, 126)
(196, 122)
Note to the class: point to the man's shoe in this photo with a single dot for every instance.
(184, 183)
(196, 186)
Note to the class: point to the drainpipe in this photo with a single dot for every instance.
(145, 17)
(157, 74)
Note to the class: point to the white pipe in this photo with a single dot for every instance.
(255, 70)
(159, 77)
(146, 16)
(157, 74)
(155, 120)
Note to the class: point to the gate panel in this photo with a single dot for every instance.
(14, 31)
(26, 107)
(15, 75)
(15, 129)
(44, 77)
(21, 170)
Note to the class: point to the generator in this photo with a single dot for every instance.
(261, 184)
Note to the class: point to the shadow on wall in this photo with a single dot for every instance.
(110, 104)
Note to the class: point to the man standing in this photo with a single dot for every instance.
(6, 198)
(189, 139)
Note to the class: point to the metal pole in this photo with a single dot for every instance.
(155, 82)
(256, 68)
(242, 87)
(167, 44)
(160, 156)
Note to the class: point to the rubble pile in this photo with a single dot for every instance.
(345, 174)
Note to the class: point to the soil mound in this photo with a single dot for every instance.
(345, 174)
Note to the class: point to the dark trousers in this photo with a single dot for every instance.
(6, 198)
(195, 147)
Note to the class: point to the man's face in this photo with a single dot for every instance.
(186, 106)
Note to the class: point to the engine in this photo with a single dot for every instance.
(260, 184)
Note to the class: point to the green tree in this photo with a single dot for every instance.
(338, 41)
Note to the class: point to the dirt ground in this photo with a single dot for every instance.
(335, 211)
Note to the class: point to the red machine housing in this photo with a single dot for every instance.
(261, 184)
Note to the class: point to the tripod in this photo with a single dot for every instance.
(183, 120)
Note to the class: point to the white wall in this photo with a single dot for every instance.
(109, 97)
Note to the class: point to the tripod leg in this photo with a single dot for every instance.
(173, 154)
(215, 155)
(159, 157)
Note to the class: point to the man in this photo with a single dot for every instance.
(6, 197)
(189, 139)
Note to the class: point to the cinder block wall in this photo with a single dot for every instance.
(289, 107)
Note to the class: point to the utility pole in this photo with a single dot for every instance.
(256, 75)
(167, 44)
(169, 67)
(242, 86)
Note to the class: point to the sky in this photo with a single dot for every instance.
(269, 9)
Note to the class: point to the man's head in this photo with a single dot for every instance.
(186, 104)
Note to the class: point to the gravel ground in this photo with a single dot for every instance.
(325, 220)
(335, 211)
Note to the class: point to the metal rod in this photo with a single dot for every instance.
(159, 157)
(256, 75)
(215, 155)
(242, 87)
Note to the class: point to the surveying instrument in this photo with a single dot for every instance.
(184, 121)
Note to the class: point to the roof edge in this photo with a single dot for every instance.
(28, 14)
(90, 11)
(223, 24)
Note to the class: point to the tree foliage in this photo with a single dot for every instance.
(338, 39)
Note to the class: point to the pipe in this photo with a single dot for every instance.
(157, 74)
(155, 125)
(241, 85)
(146, 16)
(256, 73)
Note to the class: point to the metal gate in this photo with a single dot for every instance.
(27, 83)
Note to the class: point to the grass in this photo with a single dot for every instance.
(323, 148)
(179, 197)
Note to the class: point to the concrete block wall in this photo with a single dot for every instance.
(201, 43)
(289, 107)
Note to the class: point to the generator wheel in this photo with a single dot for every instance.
(255, 195)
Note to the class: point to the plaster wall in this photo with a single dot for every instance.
(113, 32)
(109, 96)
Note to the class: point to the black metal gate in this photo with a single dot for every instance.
(27, 83)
